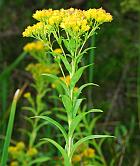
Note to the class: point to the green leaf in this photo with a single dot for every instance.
(70, 45)
(58, 79)
(66, 63)
(79, 57)
(67, 103)
(78, 118)
(40, 126)
(77, 76)
(9, 129)
(82, 87)
(60, 148)
(61, 117)
(58, 125)
(75, 146)
(93, 123)
(76, 106)
(29, 120)
(30, 109)
(38, 160)
(24, 131)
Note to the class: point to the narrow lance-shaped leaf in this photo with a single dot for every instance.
(77, 76)
(82, 140)
(79, 57)
(66, 63)
(78, 118)
(60, 148)
(58, 125)
(67, 103)
(39, 160)
(76, 106)
(58, 79)
(82, 87)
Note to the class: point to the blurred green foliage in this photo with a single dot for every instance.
(116, 67)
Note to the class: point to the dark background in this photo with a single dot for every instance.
(116, 64)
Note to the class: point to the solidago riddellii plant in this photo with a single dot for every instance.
(69, 29)
(41, 85)
(29, 153)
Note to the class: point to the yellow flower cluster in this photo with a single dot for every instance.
(98, 15)
(49, 16)
(71, 20)
(37, 69)
(20, 145)
(14, 163)
(15, 149)
(34, 46)
(32, 152)
(27, 95)
(66, 79)
(38, 29)
(76, 158)
(75, 21)
(87, 153)
(57, 51)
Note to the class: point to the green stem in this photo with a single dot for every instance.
(70, 144)
(33, 134)
(138, 89)
(87, 37)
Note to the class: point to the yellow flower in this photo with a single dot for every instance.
(27, 95)
(14, 163)
(57, 51)
(100, 15)
(89, 153)
(34, 46)
(20, 146)
(37, 69)
(50, 17)
(36, 30)
(12, 150)
(76, 158)
(32, 152)
(66, 79)
(74, 21)
(76, 89)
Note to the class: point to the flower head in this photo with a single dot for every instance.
(27, 95)
(14, 163)
(66, 79)
(51, 17)
(32, 152)
(20, 145)
(89, 153)
(57, 51)
(36, 30)
(99, 15)
(37, 69)
(34, 46)
(76, 158)
(12, 150)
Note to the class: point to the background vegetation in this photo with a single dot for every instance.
(116, 69)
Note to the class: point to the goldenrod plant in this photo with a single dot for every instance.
(22, 155)
(29, 153)
(69, 29)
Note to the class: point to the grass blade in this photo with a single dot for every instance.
(9, 129)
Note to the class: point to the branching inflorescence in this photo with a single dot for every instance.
(69, 29)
